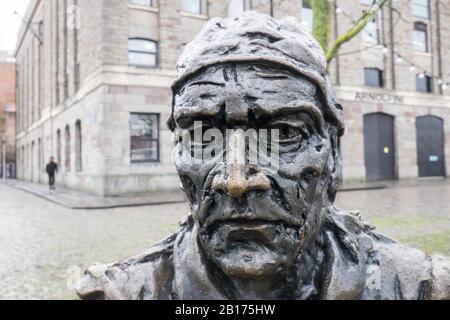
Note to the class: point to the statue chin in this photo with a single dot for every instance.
(244, 251)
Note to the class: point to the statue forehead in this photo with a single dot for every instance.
(265, 89)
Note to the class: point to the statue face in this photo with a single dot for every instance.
(254, 219)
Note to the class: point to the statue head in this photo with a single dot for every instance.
(253, 95)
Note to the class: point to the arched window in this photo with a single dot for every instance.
(142, 52)
(58, 147)
(78, 147)
(67, 149)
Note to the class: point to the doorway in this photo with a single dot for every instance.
(379, 147)
(430, 146)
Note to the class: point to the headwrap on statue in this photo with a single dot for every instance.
(254, 37)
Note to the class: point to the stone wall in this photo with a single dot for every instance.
(7, 110)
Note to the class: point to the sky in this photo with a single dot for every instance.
(10, 23)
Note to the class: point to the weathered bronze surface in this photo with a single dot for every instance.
(256, 232)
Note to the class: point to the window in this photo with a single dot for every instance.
(22, 169)
(373, 77)
(371, 31)
(307, 15)
(236, 7)
(147, 3)
(67, 149)
(421, 8)
(78, 147)
(58, 147)
(144, 137)
(423, 83)
(142, 52)
(420, 37)
(192, 6)
(40, 156)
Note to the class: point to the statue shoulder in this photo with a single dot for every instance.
(408, 273)
(440, 289)
(398, 271)
(147, 276)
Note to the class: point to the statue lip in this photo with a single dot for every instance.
(260, 231)
(248, 222)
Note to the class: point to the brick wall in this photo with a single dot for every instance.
(7, 106)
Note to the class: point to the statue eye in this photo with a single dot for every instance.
(197, 132)
(288, 133)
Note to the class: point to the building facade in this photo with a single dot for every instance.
(7, 115)
(94, 78)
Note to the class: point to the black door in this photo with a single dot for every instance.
(379, 149)
(430, 146)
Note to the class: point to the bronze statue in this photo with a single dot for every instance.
(257, 231)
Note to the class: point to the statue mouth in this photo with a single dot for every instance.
(244, 232)
(241, 232)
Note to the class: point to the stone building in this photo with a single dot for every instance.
(94, 88)
(7, 114)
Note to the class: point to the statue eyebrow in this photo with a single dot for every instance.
(270, 75)
(307, 108)
(206, 83)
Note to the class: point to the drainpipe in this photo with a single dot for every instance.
(391, 39)
(439, 47)
(336, 35)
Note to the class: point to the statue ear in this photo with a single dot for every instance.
(335, 163)
(171, 123)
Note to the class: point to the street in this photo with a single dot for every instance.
(44, 244)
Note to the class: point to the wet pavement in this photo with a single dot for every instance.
(44, 245)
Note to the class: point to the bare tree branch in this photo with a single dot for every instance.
(365, 18)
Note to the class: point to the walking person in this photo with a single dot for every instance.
(52, 169)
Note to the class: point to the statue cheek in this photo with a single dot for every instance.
(310, 161)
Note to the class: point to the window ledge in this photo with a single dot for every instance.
(372, 45)
(143, 66)
(425, 54)
(194, 15)
(143, 8)
(420, 17)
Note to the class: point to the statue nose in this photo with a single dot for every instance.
(239, 177)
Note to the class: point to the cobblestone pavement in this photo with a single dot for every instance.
(415, 212)
(44, 245)
(42, 241)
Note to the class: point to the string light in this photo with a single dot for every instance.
(400, 59)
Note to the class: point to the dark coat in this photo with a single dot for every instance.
(51, 168)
